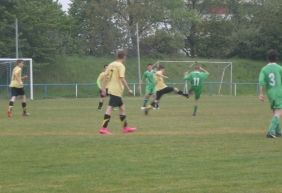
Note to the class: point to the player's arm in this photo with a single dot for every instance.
(204, 70)
(141, 81)
(161, 75)
(261, 86)
(125, 84)
(187, 76)
(98, 82)
(121, 71)
(104, 81)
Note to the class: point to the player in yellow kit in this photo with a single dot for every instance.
(99, 82)
(115, 82)
(17, 88)
(162, 89)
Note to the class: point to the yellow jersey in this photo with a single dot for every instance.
(16, 81)
(114, 72)
(160, 81)
(100, 79)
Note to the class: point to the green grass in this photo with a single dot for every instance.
(222, 150)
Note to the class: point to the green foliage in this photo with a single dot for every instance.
(7, 29)
(43, 29)
(97, 28)
(161, 43)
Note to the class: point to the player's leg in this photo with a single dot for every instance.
(180, 92)
(197, 98)
(274, 124)
(107, 116)
(159, 94)
(122, 116)
(24, 105)
(101, 100)
(148, 93)
(12, 100)
(274, 127)
(146, 100)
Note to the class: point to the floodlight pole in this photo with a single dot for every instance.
(139, 61)
(17, 38)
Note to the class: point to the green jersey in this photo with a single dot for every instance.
(271, 77)
(149, 76)
(197, 79)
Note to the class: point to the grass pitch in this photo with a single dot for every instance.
(222, 150)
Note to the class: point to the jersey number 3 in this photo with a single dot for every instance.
(272, 81)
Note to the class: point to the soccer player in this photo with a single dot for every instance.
(99, 84)
(196, 79)
(17, 88)
(162, 89)
(150, 89)
(116, 82)
(270, 78)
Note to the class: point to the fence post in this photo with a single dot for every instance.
(134, 89)
(76, 90)
(46, 91)
(235, 89)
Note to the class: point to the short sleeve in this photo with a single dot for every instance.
(261, 78)
(188, 76)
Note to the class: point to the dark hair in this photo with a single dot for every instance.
(160, 67)
(19, 61)
(272, 55)
(197, 67)
(106, 65)
(121, 54)
(149, 64)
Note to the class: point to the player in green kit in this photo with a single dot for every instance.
(196, 79)
(270, 78)
(150, 89)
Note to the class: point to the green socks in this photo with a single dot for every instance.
(274, 127)
(145, 102)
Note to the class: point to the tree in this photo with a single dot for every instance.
(7, 28)
(43, 29)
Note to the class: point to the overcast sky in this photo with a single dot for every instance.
(65, 4)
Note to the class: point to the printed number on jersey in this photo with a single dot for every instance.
(196, 81)
(272, 81)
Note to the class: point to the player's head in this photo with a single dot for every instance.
(161, 68)
(105, 66)
(197, 67)
(121, 55)
(20, 63)
(272, 56)
(149, 67)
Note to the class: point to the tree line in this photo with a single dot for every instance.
(196, 28)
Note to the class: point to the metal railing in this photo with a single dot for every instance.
(84, 90)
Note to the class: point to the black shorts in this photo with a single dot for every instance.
(165, 90)
(115, 101)
(101, 95)
(17, 91)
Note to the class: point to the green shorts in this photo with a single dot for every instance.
(149, 90)
(197, 92)
(276, 103)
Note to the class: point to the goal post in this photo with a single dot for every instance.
(6, 67)
(220, 81)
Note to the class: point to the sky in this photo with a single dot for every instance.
(65, 4)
